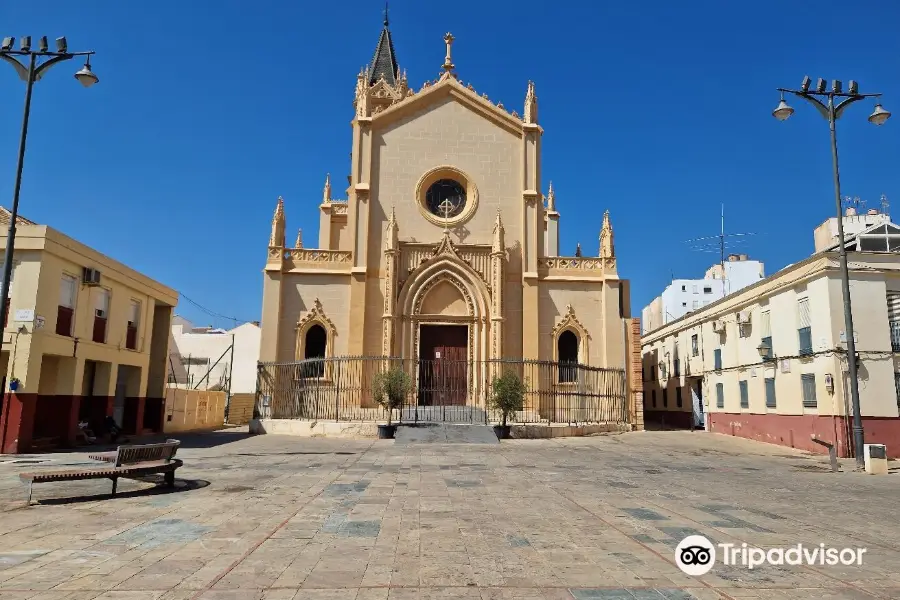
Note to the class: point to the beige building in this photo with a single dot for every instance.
(769, 362)
(445, 245)
(85, 337)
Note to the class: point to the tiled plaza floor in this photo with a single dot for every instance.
(281, 517)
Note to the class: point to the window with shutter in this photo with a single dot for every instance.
(808, 381)
(717, 359)
(893, 305)
(897, 388)
(65, 311)
(745, 396)
(805, 329)
(678, 401)
(131, 329)
(720, 395)
(770, 392)
(101, 312)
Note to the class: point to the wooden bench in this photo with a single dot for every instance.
(128, 461)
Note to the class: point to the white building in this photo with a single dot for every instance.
(683, 296)
(202, 357)
(769, 362)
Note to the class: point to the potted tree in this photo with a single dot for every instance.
(389, 389)
(508, 397)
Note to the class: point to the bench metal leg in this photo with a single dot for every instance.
(170, 478)
(115, 481)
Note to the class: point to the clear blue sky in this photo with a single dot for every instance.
(208, 110)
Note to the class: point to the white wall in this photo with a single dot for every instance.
(208, 347)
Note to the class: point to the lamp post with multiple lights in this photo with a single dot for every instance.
(835, 103)
(30, 71)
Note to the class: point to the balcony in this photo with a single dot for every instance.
(895, 335)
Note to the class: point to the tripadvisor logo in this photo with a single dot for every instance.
(695, 555)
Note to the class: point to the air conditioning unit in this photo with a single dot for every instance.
(100, 313)
(718, 326)
(743, 317)
(90, 276)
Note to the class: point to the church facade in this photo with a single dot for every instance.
(445, 245)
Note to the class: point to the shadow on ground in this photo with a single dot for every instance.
(159, 489)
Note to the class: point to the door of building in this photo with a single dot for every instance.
(697, 399)
(443, 365)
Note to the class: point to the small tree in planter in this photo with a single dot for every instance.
(389, 389)
(508, 397)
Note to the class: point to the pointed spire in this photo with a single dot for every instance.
(499, 244)
(384, 62)
(530, 104)
(386, 22)
(578, 250)
(299, 243)
(607, 248)
(392, 240)
(276, 239)
(326, 192)
(551, 198)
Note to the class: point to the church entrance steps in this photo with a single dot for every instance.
(444, 433)
(444, 414)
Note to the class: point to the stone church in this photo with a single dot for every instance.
(445, 245)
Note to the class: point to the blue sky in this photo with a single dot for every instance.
(208, 110)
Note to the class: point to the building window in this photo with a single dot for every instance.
(893, 302)
(765, 327)
(684, 288)
(653, 398)
(717, 359)
(695, 346)
(696, 288)
(65, 312)
(808, 380)
(314, 344)
(676, 367)
(695, 304)
(131, 330)
(705, 302)
(567, 352)
(684, 305)
(707, 290)
(445, 198)
(720, 395)
(770, 392)
(678, 401)
(804, 331)
(662, 370)
(745, 396)
(101, 316)
(665, 397)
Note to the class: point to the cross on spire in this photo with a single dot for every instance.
(446, 207)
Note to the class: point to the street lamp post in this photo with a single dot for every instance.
(31, 71)
(832, 112)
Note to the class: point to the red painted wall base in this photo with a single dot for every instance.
(796, 431)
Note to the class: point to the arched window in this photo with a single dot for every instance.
(314, 345)
(567, 352)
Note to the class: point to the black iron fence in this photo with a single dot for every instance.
(456, 391)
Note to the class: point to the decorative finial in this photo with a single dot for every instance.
(498, 244)
(607, 248)
(448, 62)
(578, 250)
(299, 243)
(385, 14)
(277, 237)
(530, 104)
(446, 207)
(551, 198)
(326, 193)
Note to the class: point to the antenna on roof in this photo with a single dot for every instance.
(718, 243)
(885, 205)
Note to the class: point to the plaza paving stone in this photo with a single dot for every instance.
(278, 517)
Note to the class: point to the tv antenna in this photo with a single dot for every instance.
(856, 203)
(718, 243)
(885, 205)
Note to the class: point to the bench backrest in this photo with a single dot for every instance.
(129, 455)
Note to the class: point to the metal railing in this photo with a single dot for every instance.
(895, 335)
(454, 391)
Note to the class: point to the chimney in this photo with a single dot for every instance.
(733, 257)
(872, 211)
(851, 212)
(744, 257)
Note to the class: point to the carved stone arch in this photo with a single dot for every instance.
(315, 316)
(424, 291)
(570, 322)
